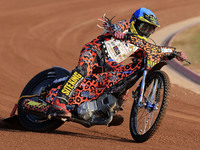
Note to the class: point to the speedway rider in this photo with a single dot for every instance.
(93, 59)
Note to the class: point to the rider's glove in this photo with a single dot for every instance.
(119, 35)
(182, 55)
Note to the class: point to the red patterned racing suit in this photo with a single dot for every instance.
(94, 60)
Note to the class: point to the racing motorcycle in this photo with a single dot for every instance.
(100, 95)
(150, 98)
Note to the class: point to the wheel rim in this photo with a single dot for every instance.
(152, 104)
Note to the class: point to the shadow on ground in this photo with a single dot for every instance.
(13, 125)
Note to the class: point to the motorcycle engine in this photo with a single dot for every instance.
(105, 103)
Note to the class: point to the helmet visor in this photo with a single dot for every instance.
(146, 28)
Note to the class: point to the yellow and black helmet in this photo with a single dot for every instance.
(143, 23)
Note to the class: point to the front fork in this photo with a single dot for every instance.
(140, 104)
(149, 101)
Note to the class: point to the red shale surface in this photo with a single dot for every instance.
(36, 35)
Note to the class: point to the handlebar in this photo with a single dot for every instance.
(177, 55)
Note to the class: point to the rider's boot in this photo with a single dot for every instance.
(62, 98)
(59, 107)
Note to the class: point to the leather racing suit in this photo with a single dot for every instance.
(96, 59)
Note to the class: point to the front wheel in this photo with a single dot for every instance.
(146, 118)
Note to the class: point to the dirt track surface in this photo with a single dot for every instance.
(36, 35)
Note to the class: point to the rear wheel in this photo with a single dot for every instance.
(146, 119)
(35, 86)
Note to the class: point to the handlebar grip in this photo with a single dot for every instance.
(177, 55)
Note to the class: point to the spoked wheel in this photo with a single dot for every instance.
(146, 117)
(35, 85)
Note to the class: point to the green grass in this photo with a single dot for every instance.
(188, 41)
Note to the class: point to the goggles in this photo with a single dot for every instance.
(146, 28)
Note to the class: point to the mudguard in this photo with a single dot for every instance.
(61, 72)
(158, 66)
